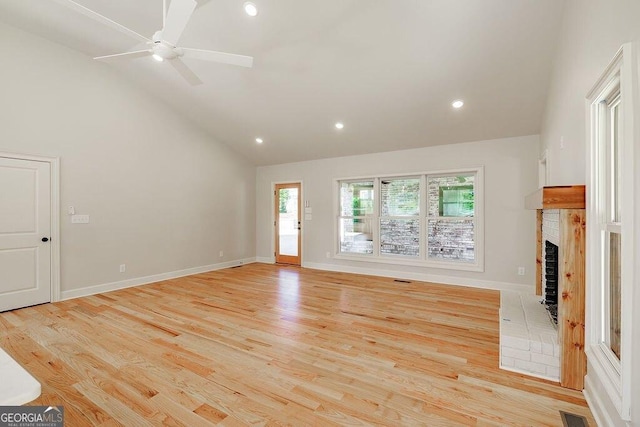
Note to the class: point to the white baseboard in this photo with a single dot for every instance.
(433, 278)
(113, 286)
(266, 260)
(597, 406)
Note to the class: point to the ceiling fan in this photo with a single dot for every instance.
(162, 46)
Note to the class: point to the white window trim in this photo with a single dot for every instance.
(616, 377)
(422, 261)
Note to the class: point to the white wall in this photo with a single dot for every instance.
(162, 195)
(593, 31)
(510, 174)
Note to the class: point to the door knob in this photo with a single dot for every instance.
(45, 239)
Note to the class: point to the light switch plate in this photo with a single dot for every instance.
(79, 219)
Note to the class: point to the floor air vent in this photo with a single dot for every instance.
(402, 281)
(573, 420)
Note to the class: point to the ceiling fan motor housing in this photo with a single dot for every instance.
(165, 50)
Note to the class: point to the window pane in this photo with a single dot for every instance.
(451, 240)
(288, 222)
(615, 270)
(616, 167)
(400, 197)
(356, 198)
(356, 235)
(451, 196)
(400, 237)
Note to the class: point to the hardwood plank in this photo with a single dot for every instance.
(274, 345)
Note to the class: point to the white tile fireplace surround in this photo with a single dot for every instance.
(528, 338)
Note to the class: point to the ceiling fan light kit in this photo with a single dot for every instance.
(163, 44)
(250, 8)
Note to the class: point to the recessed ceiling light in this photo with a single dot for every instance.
(250, 8)
(259, 140)
(339, 125)
(457, 104)
(157, 57)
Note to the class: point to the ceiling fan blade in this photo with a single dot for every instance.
(126, 55)
(176, 20)
(185, 72)
(222, 57)
(201, 3)
(103, 19)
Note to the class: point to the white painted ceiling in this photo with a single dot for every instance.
(388, 69)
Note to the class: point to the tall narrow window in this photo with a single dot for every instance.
(611, 224)
(451, 216)
(400, 217)
(356, 212)
(612, 195)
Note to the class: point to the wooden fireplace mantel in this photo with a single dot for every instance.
(570, 200)
(560, 197)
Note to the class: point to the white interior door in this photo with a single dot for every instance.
(25, 233)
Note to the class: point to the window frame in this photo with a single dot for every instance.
(381, 217)
(614, 374)
(473, 219)
(355, 217)
(422, 260)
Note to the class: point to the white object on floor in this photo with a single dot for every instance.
(528, 338)
(17, 386)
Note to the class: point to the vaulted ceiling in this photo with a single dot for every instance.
(387, 69)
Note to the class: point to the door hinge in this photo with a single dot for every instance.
(274, 223)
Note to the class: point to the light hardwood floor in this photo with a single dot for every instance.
(273, 345)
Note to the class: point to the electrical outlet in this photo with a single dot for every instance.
(520, 271)
(328, 254)
(123, 268)
(221, 254)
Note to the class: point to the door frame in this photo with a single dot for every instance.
(273, 216)
(54, 164)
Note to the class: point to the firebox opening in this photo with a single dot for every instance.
(550, 284)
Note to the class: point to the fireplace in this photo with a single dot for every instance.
(550, 281)
(560, 220)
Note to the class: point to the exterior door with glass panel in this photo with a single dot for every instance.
(25, 230)
(287, 223)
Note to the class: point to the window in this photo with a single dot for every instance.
(430, 219)
(451, 217)
(611, 225)
(610, 232)
(356, 212)
(400, 217)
